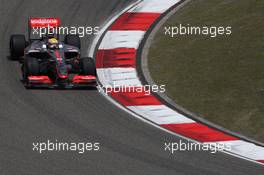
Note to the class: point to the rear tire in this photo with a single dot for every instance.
(73, 40)
(17, 46)
(87, 66)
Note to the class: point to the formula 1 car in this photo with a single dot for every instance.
(49, 62)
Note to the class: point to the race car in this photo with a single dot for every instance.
(49, 62)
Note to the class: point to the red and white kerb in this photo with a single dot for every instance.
(116, 62)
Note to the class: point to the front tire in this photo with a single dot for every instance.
(17, 46)
(30, 67)
(87, 66)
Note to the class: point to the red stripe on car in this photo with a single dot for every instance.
(58, 56)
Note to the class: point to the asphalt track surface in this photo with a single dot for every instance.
(127, 145)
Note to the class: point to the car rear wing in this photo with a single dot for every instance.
(41, 23)
(44, 22)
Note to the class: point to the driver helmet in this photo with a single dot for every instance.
(51, 33)
(53, 43)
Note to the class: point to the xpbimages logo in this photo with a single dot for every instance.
(211, 31)
(146, 89)
(82, 31)
(192, 146)
(56, 146)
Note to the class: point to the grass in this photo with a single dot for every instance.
(220, 79)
